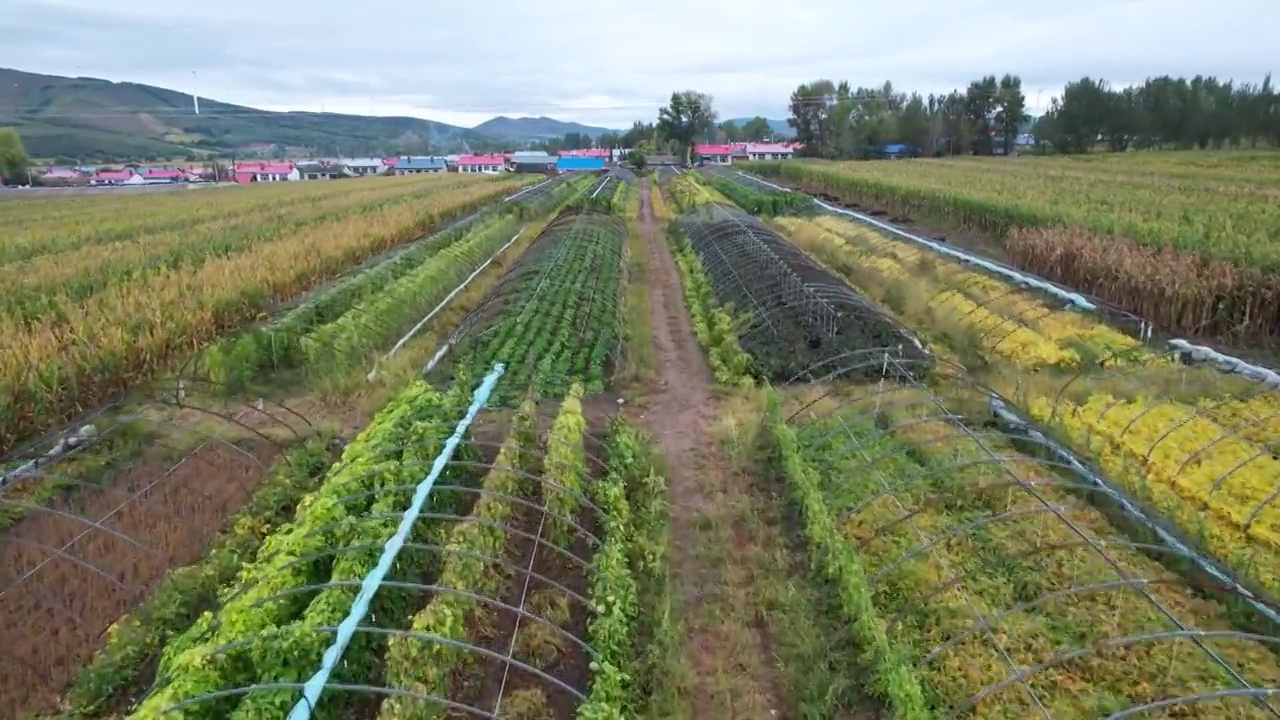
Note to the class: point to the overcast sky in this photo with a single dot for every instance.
(608, 64)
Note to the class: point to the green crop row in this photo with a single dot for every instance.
(280, 344)
(614, 627)
(370, 325)
(764, 201)
(560, 324)
(892, 677)
(565, 469)
(713, 323)
(421, 663)
(336, 536)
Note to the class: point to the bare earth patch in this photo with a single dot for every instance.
(727, 651)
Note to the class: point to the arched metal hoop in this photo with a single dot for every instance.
(523, 609)
(981, 546)
(98, 514)
(582, 244)
(796, 312)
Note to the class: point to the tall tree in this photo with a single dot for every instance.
(1011, 110)
(981, 103)
(756, 129)
(810, 106)
(13, 158)
(728, 131)
(688, 116)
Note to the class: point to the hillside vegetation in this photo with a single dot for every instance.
(88, 118)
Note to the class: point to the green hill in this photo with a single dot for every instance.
(531, 128)
(92, 119)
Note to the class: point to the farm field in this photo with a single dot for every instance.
(97, 302)
(153, 486)
(671, 451)
(1183, 239)
(941, 523)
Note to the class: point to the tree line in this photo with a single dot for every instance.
(836, 120)
(1163, 112)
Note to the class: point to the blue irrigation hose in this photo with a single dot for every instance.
(369, 586)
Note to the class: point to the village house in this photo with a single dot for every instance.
(409, 165)
(161, 176)
(360, 167)
(487, 164)
(323, 170)
(61, 176)
(116, 177)
(769, 151)
(247, 172)
(714, 154)
(531, 161)
(587, 152)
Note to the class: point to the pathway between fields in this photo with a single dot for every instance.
(712, 550)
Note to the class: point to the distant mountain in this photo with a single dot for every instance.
(530, 128)
(779, 127)
(92, 119)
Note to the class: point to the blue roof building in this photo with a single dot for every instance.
(415, 165)
(572, 164)
(896, 150)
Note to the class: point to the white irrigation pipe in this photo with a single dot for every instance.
(1076, 299)
(414, 330)
(531, 187)
(1198, 353)
(64, 445)
(597, 192)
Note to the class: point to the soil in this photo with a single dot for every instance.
(679, 411)
(535, 569)
(71, 569)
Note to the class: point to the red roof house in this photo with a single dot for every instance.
(715, 154)
(115, 177)
(769, 151)
(489, 164)
(258, 171)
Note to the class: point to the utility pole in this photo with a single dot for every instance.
(195, 92)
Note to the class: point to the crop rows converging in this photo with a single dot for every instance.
(1182, 240)
(553, 318)
(513, 592)
(151, 507)
(1059, 520)
(452, 559)
(104, 308)
(1195, 445)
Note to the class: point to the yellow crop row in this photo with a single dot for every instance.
(1225, 217)
(1018, 565)
(128, 332)
(1194, 258)
(1207, 479)
(43, 225)
(52, 273)
(930, 290)
(1204, 459)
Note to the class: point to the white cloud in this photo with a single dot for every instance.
(590, 62)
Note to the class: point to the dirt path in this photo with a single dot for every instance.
(727, 653)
